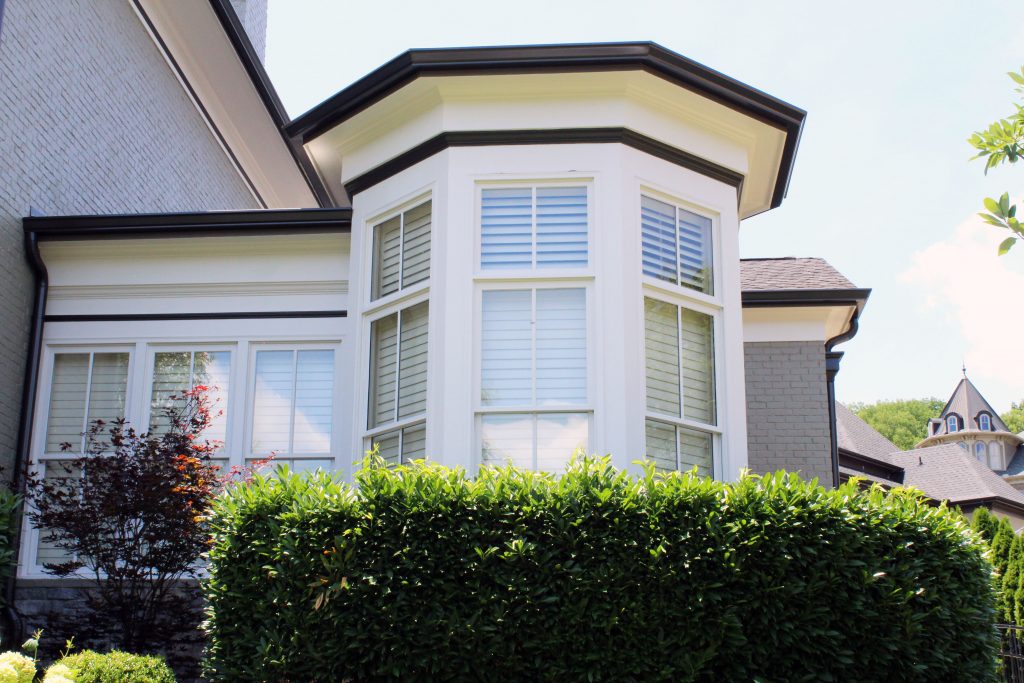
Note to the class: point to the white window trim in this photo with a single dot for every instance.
(984, 422)
(951, 421)
(533, 273)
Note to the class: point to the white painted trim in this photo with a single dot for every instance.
(174, 290)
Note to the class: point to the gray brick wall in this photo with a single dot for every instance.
(787, 409)
(92, 120)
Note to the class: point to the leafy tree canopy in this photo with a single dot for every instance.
(904, 422)
(1001, 143)
(1014, 417)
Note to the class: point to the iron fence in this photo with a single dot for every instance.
(1011, 652)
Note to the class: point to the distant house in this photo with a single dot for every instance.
(944, 470)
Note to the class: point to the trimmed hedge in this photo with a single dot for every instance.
(116, 667)
(421, 574)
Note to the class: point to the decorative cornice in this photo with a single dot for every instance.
(197, 289)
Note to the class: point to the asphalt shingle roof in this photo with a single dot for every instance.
(770, 274)
(948, 472)
(967, 402)
(857, 436)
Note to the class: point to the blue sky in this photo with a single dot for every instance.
(882, 187)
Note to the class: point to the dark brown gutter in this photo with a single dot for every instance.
(756, 298)
(832, 359)
(575, 58)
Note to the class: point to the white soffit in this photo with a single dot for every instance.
(634, 99)
(795, 323)
(196, 41)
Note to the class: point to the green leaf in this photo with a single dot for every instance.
(1004, 203)
(1006, 245)
(992, 205)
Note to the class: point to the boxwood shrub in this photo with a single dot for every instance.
(420, 573)
(116, 667)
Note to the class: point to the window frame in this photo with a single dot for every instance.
(681, 296)
(954, 422)
(370, 304)
(984, 422)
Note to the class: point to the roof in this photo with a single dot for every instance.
(857, 436)
(1016, 465)
(764, 274)
(571, 58)
(948, 472)
(967, 402)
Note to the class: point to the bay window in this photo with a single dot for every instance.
(526, 227)
(401, 250)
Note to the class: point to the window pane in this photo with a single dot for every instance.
(506, 340)
(389, 446)
(559, 435)
(416, 249)
(55, 472)
(507, 439)
(695, 251)
(175, 372)
(272, 405)
(66, 419)
(658, 231)
(212, 369)
(562, 227)
(383, 369)
(506, 228)
(695, 451)
(414, 442)
(314, 393)
(661, 444)
(698, 366)
(108, 386)
(661, 347)
(561, 346)
(412, 373)
(172, 376)
(387, 249)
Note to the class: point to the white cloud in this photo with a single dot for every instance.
(979, 291)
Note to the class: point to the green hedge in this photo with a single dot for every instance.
(116, 667)
(421, 574)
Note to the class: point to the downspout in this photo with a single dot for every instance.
(832, 359)
(13, 625)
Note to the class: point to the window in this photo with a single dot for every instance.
(984, 422)
(175, 372)
(676, 245)
(533, 376)
(980, 451)
(528, 227)
(293, 401)
(952, 425)
(398, 383)
(995, 455)
(680, 381)
(401, 251)
(85, 387)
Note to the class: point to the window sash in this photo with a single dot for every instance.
(293, 401)
(535, 440)
(675, 447)
(84, 387)
(679, 351)
(534, 227)
(399, 345)
(401, 251)
(676, 245)
(403, 444)
(175, 372)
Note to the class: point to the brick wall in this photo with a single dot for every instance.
(787, 408)
(92, 120)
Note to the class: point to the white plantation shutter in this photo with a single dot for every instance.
(54, 472)
(541, 441)
(314, 401)
(412, 373)
(561, 339)
(293, 402)
(559, 435)
(506, 228)
(387, 257)
(506, 348)
(175, 372)
(695, 451)
(658, 236)
(695, 251)
(383, 369)
(562, 227)
(661, 444)
(507, 438)
(416, 245)
(85, 387)
(661, 342)
(403, 445)
(698, 366)
(674, 447)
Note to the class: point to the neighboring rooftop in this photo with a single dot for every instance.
(857, 436)
(788, 273)
(967, 402)
(948, 472)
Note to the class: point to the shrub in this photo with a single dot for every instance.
(419, 573)
(112, 667)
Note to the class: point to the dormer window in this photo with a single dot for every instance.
(984, 422)
(952, 425)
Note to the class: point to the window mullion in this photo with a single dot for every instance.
(679, 360)
(401, 251)
(291, 412)
(675, 255)
(398, 363)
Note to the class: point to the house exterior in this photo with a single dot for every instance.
(474, 255)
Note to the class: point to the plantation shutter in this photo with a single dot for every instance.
(314, 401)
(172, 375)
(695, 251)
(416, 245)
(695, 451)
(272, 405)
(68, 391)
(383, 369)
(175, 372)
(661, 444)
(561, 340)
(661, 342)
(55, 472)
(507, 438)
(387, 250)
(559, 435)
(562, 227)
(506, 228)
(658, 237)
(698, 366)
(412, 372)
(108, 386)
(506, 349)
(403, 445)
